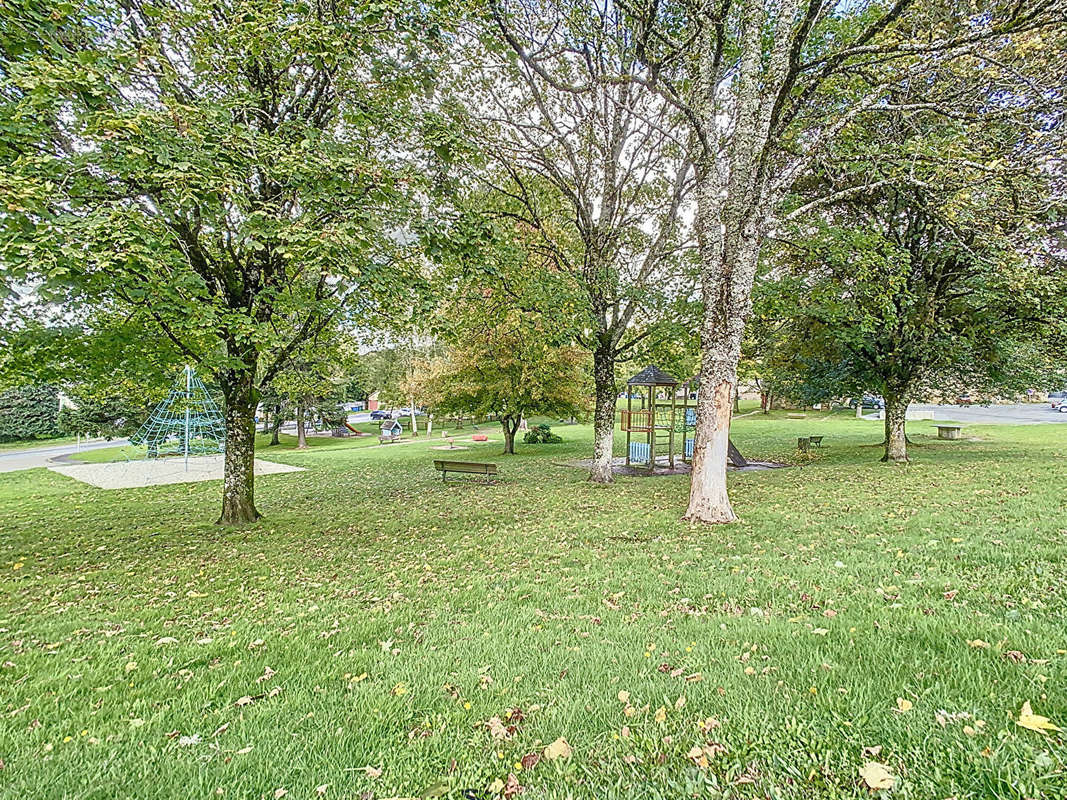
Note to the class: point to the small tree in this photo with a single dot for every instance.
(508, 367)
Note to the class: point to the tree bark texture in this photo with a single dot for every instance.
(238, 495)
(510, 425)
(276, 427)
(301, 434)
(728, 238)
(603, 416)
(896, 440)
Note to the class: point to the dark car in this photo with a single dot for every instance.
(869, 401)
(381, 413)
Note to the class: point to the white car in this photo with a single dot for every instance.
(1058, 401)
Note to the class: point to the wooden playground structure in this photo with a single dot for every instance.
(661, 428)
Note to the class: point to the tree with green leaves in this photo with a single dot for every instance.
(765, 88)
(508, 367)
(226, 171)
(937, 281)
(508, 349)
(592, 167)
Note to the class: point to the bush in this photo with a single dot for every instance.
(542, 434)
(109, 417)
(29, 412)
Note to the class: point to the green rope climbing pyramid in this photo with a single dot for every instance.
(187, 423)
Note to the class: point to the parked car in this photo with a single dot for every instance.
(869, 401)
(964, 399)
(381, 413)
(1057, 400)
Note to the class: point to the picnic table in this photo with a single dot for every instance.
(948, 431)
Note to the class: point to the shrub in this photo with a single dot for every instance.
(542, 434)
(29, 412)
(109, 417)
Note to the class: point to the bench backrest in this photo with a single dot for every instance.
(465, 466)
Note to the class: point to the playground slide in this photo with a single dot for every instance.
(354, 430)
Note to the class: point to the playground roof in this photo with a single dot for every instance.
(652, 376)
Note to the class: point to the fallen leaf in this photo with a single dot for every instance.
(279, 793)
(903, 706)
(322, 789)
(558, 749)
(243, 701)
(497, 729)
(624, 697)
(529, 760)
(511, 787)
(872, 752)
(372, 772)
(661, 714)
(268, 673)
(1034, 722)
(876, 776)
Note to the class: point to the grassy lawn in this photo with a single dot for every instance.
(34, 444)
(363, 636)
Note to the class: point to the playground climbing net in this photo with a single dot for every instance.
(186, 423)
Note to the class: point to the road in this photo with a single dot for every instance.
(1009, 414)
(13, 460)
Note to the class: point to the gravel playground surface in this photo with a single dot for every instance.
(157, 472)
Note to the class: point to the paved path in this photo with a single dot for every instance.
(1009, 414)
(12, 460)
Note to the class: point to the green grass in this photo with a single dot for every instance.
(397, 615)
(34, 444)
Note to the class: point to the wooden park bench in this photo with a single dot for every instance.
(468, 467)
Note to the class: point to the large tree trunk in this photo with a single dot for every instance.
(301, 435)
(896, 440)
(603, 416)
(509, 425)
(277, 426)
(728, 237)
(238, 496)
(708, 498)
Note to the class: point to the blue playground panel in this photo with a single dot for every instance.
(688, 448)
(639, 452)
(690, 417)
